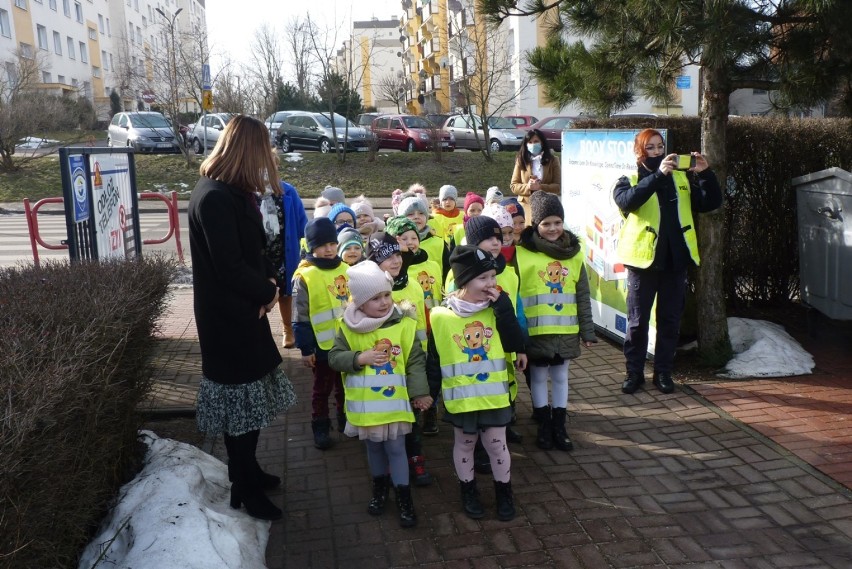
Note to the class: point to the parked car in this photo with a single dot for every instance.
(210, 126)
(551, 128)
(522, 122)
(437, 119)
(503, 134)
(274, 121)
(313, 131)
(410, 133)
(144, 131)
(365, 120)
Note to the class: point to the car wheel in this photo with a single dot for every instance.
(196, 146)
(324, 146)
(284, 144)
(410, 146)
(495, 145)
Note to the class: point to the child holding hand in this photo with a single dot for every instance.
(384, 374)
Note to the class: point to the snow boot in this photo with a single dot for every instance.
(381, 486)
(560, 435)
(320, 428)
(470, 500)
(505, 501)
(407, 515)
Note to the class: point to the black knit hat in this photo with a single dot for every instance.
(381, 247)
(478, 229)
(468, 262)
(319, 231)
(544, 205)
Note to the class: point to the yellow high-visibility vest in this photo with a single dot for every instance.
(548, 292)
(328, 292)
(428, 276)
(414, 294)
(637, 239)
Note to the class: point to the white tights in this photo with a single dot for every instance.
(558, 385)
(494, 441)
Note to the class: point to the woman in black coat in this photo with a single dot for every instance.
(242, 388)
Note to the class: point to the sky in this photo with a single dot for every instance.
(230, 31)
(175, 513)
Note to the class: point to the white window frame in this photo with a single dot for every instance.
(57, 43)
(69, 41)
(78, 12)
(66, 7)
(52, 5)
(41, 34)
(5, 24)
(84, 57)
(22, 4)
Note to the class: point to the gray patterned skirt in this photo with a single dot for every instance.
(238, 409)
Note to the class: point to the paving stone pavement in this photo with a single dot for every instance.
(654, 481)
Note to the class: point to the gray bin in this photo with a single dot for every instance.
(825, 241)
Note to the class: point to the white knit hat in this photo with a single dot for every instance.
(448, 192)
(362, 206)
(499, 214)
(366, 280)
(493, 195)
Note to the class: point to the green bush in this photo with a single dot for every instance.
(74, 365)
(764, 155)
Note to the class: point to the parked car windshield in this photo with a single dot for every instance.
(500, 122)
(417, 122)
(339, 121)
(151, 121)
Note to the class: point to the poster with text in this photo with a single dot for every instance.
(113, 206)
(592, 162)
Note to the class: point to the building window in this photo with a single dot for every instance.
(104, 60)
(78, 11)
(66, 7)
(111, 66)
(93, 34)
(52, 5)
(41, 31)
(96, 71)
(57, 43)
(12, 73)
(83, 57)
(136, 5)
(22, 4)
(109, 31)
(69, 41)
(74, 83)
(60, 79)
(139, 35)
(101, 23)
(5, 28)
(45, 77)
(26, 50)
(132, 37)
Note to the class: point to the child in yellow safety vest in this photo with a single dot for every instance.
(448, 216)
(384, 375)
(415, 209)
(554, 291)
(320, 291)
(471, 335)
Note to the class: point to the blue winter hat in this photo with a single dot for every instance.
(513, 207)
(320, 231)
(339, 208)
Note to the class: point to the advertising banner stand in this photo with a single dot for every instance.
(592, 162)
(101, 204)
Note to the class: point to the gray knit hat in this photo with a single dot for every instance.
(448, 192)
(412, 204)
(334, 195)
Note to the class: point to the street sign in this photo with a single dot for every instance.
(683, 81)
(207, 99)
(206, 84)
(148, 96)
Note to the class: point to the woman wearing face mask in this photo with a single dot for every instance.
(536, 168)
(658, 244)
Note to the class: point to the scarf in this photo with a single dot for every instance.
(419, 256)
(425, 233)
(322, 263)
(359, 322)
(464, 308)
(508, 252)
(562, 249)
(447, 212)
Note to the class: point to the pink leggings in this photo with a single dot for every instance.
(494, 441)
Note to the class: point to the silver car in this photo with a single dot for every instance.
(313, 131)
(207, 130)
(144, 131)
(502, 133)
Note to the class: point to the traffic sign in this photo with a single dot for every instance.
(683, 81)
(148, 96)
(207, 99)
(206, 84)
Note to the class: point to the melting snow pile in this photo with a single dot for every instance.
(764, 349)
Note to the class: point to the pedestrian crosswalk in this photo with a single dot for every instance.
(15, 247)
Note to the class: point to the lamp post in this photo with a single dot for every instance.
(173, 92)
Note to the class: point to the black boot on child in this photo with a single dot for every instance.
(407, 515)
(381, 486)
(470, 500)
(505, 501)
(560, 435)
(544, 438)
(321, 427)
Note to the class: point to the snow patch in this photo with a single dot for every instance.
(764, 349)
(293, 157)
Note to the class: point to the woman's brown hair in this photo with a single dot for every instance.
(243, 157)
(642, 140)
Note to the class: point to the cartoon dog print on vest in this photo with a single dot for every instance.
(426, 283)
(554, 278)
(340, 289)
(475, 346)
(386, 347)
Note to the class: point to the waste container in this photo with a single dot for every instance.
(824, 213)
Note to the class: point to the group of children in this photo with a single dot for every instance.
(438, 302)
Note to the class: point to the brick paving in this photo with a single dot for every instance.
(695, 479)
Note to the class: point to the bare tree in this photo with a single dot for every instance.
(24, 109)
(298, 45)
(483, 63)
(231, 90)
(392, 87)
(266, 63)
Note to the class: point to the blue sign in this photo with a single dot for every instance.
(79, 187)
(683, 82)
(205, 76)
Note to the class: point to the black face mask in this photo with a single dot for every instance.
(653, 164)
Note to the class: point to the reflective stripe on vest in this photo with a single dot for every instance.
(548, 291)
(473, 365)
(378, 395)
(637, 239)
(328, 291)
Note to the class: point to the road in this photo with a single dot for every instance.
(15, 241)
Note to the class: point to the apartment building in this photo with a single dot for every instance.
(369, 59)
(88, 48)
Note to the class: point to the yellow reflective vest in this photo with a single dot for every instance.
(548, 292)
(637, 240)
(378, 395)
(473, 365)
(428, 276)
(328, 292)
(434, 247)
(414, 294)
(445, 226)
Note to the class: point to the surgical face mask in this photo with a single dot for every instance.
(534, 148)
(653, 163)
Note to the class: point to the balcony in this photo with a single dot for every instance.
(432, 47)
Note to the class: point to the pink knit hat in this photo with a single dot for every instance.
(472, 198)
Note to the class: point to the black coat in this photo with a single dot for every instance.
(230, 281)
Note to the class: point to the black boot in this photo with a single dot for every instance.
(320, 428)
(381, 486)
(407, 516)
(544, 437)
(267, 481)
(481, 460)
(470, 500)
(246, 489)
(341, 421)
(430, 421)
(505, 501)
(560, 435)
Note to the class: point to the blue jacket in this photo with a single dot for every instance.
(295, 220)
